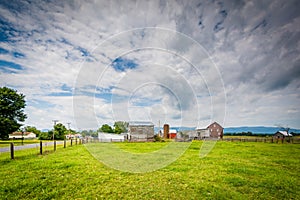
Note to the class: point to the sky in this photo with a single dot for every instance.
(185, 63)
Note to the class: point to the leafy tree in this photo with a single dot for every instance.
(118, 130)
(120, 127)
(106, 129)
(45, 135)
(12, 107)
(33, 130)
(59, 131)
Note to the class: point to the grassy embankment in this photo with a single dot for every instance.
(232, 170)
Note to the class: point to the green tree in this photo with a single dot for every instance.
(33, 130)
(45, 135)
(59, 131)
(12, 113)
(106, 129)
(120, 127)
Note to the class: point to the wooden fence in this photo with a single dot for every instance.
(70, 143)
(264, 139)
(43, 145)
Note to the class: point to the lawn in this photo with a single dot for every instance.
(232, 170)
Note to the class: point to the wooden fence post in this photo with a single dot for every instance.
(71, 141)
(12, 153)
(41, 147)
(54, 145)
(65, 143)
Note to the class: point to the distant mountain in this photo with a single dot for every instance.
(256, 130)
(252, 129)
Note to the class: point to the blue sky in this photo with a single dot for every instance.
(186, 63)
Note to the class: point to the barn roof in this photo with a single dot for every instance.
(285, 133)
(20, 133)
(140, 123)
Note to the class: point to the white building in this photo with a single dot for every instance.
(19, 135)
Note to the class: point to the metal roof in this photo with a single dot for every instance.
(285, 133)
(140, 123)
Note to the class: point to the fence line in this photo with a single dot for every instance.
(40, 145)
(265, 140)
(43, 147)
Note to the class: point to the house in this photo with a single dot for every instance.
(282, 135)
(73, 136)
(215, 130)
(202, 133)
(20, 135)
(140, 130)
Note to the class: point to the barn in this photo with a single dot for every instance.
(140, 130)
(282, 134)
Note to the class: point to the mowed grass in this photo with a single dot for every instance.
(232, 170)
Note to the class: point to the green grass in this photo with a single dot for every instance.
(232, 170)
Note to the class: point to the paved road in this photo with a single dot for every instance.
(29, 146)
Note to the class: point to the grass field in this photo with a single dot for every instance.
(232, 170)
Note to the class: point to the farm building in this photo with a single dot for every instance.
(19, 135)
(140, 130)
(215, 130)
(171, 134)
(282, 134)
(108, 137)
(202, 133)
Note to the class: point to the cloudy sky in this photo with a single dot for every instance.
(186, 63)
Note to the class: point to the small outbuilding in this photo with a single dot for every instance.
(282, 135)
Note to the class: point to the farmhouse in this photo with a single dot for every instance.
(202, 133)
(140, 130)
(214, 130)
(19, 135)
(282, 134)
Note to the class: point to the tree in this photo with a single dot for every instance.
(105, 128)
(33, 130)
(45, 135)
(120, 127)
(60, 131)
(12, 113)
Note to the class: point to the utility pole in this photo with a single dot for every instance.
(69, 128)
(54, 121)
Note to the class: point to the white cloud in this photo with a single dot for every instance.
(252, 47)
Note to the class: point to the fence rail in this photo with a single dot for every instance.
(266, 140)
(43, 147)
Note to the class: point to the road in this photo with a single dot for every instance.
(29, 146)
